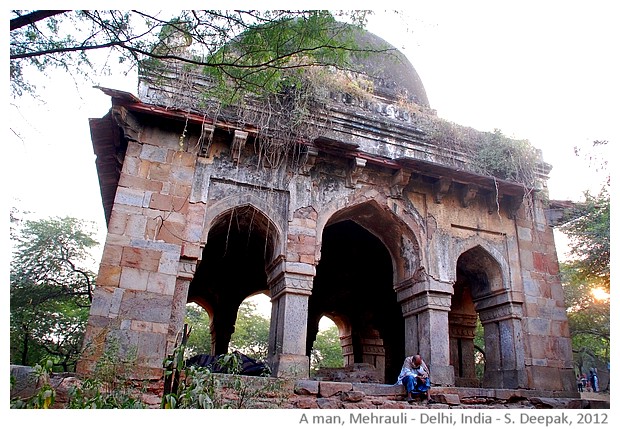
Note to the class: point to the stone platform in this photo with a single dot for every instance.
(376, 395)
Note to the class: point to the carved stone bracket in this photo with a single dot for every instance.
(347, 346)
(511, 204)
(373, 350)
(311, 155)
(462, 325)
(507, 311)
(400, 179)
(205, 139)
(460, 331)
(468, 195)
(290, 283)
(492, 200)
(463, 319)
(412, 286)
(355, 170)
(127, 122)
(238, 143)
(286, 277)
(187, 268)
(420, 275)
(440, 188)
(427, 301)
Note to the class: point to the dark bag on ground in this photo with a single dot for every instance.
(248, 366)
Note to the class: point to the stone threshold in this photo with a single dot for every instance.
(377, 389)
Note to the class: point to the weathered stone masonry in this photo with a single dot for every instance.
(378, 231)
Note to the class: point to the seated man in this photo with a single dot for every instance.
(415, 377)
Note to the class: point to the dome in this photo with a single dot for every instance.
(392, 73)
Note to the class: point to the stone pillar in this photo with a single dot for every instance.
(505, 360)
(346, 342)
(223, 327)
(462, 333)
(426, 326)
(373, 352)
(186, 271)
(434, 344)
(547, 342)
(135, 313)
(141, 292)
(290, 285)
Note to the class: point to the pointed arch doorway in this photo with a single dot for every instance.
(481, 297)
(240, 243)
(355, 283)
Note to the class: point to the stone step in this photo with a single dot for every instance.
(452, 396)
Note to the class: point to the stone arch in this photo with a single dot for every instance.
(399, 231)
(482, 290)
(343, 324)
(208, 308)
(390, 254)
(493, 254)
(204, 304)
(272, 219)
(239, 243)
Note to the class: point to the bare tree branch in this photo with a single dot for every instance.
(31, 18)
(64, 50)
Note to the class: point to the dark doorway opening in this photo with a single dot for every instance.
(232, 268)
(354, 280)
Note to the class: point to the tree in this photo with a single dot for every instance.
(326, 350)
(589, 233)
(199, 340)
(586, 276)
(589, 227)
(272, 69)
(50, 291)
(588, 315)
(251, 336)
(479, 350)
(271, 42)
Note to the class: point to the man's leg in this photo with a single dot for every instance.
(428, 389)
(409, 383)
(428, 395)
(424, 387)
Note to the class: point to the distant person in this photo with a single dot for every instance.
(415, 376)
(594, 380)
(579, 384)
(584, 382)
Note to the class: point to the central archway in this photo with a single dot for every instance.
(354, 279)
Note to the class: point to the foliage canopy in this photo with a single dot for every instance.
(326, 350)
(208, 39)
(587, 273)
(50, 290)
(590, 238)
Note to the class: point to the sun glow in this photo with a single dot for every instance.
(599, 294)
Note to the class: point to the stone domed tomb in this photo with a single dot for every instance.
(379, 215)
